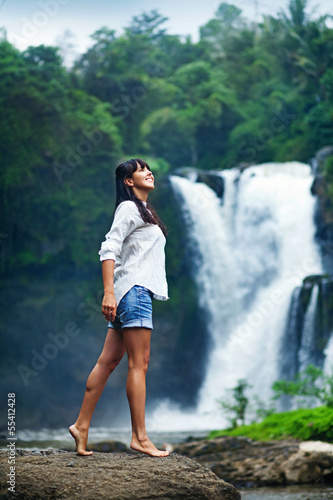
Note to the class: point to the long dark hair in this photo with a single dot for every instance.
(123, 192)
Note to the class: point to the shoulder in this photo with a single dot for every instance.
(127, 206)
(128, 210)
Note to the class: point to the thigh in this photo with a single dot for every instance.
(114, 346)
(137, 344)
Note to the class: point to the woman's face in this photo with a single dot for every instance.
(142, 181)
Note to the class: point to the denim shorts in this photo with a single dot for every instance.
(135, 309)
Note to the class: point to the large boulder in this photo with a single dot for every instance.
(66, 475)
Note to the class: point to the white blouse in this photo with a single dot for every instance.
(138, 251)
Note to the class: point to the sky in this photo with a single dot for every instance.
(35, 22)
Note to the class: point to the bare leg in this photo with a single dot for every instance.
(137, 342)
(113, 351)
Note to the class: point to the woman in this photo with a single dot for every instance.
(133, 269)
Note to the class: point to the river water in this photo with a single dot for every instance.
(301, 492)
(61, 439)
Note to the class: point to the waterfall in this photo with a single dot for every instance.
(327, 307)
(304, 353)
(252, 248)
(309, 327)
(210, 250)
(289, 362)
(329, 357)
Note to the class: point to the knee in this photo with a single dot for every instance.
(145, 364)
(108, 365)
(141, 364)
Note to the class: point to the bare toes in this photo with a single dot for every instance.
(148, 448)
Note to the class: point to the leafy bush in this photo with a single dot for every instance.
(311, 383)
(236, 406)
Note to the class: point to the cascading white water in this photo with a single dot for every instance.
(329, 357)
(215, 266)
(308, 329)
(253, 249)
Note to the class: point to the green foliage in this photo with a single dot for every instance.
(236, 407)
(261, 409)
(244, 93)
(304, 424)
(148, 25)
(328, 174)
(199, 104)
(57, 142)
(311, 384)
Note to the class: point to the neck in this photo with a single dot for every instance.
(141, 195)
(141, 198)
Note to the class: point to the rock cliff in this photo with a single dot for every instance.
(324, 211)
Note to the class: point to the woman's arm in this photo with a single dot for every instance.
(109, 301)
(126, 219)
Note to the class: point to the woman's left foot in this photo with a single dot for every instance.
(81, 439)
(146, 446)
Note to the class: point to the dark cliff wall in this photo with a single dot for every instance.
(324, 210)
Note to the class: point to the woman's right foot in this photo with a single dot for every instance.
(81, 438)
(146, 446)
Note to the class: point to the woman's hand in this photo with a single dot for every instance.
(109, 306)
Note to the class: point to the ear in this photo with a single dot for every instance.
(128, 182)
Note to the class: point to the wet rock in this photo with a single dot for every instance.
(244, 462)
(302, 467)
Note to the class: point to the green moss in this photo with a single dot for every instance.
(304, 424)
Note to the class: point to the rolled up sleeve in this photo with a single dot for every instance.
(125, 221)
